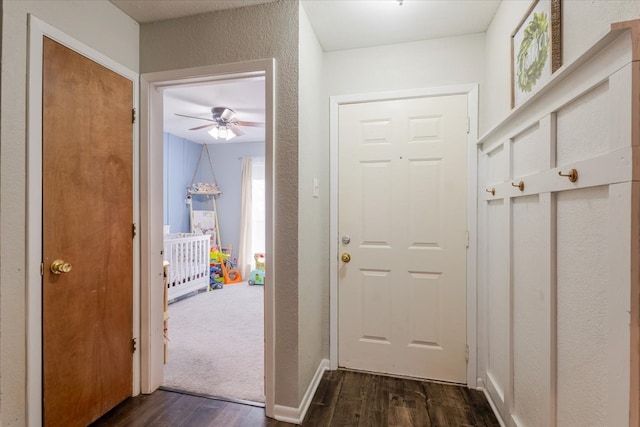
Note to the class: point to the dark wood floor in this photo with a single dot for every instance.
(343, 398)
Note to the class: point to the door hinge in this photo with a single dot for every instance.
(134, 345)
(468, 124)
(466, 353)
(134, 231)
(467, 239)
(133, 115)
(42, 268)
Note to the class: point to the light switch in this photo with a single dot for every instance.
(316, 187)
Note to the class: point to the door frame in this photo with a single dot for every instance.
(37, 29)
(151, 129)
(471, 90)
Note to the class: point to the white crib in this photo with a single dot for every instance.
(188, 258)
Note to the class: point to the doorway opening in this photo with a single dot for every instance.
(214, 192)
(154, 86)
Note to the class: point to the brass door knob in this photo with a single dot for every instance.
(58, 266)
(346, 257)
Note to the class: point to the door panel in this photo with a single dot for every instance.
(402, 201)
(87, 217)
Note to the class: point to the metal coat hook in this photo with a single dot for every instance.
(492, 191)
(572, 175)
(520, 185)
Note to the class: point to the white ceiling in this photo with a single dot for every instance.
(349, 24)
(244, 96)
(339, 24)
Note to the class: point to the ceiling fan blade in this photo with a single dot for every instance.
(249, 124)
(203, 126)
(194, 117)
(235, 129)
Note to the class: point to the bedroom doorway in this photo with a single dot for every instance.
(214, 184)
(153, 86)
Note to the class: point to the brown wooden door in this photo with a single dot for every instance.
(87, 221)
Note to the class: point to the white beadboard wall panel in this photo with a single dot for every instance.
(558, 261)
(620, 126)
(482, 273)
(583, 127)
(530, 304)
(498, 289)
(497, 165)
(582, 275)
(526, 152)
(608, 168)
(621, 227)
(633, 271)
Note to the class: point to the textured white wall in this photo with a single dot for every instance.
(422, 64)
(497, 103)
(103, 27)
(313, 232)
(244, 34)
(583, 22)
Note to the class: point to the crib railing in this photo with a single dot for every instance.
(188, 258)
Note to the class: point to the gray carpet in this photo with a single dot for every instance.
(216, 343)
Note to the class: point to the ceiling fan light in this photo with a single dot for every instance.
(222, 132)
(214, 132)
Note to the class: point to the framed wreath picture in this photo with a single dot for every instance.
(535, 49)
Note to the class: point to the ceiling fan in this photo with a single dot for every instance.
(224, 123)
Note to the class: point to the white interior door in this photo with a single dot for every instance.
(402, 209)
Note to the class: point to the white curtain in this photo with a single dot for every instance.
(245, 257)
(258, 226)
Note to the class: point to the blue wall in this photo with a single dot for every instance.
(180, 159)
(227, 163)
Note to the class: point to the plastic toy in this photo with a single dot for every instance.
(260, 262)
(257, 275)
(217, 257)
(215, 277)
(230, 275)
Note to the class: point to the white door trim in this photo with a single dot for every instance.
(151, 215)
(37, 30)
(471, 90)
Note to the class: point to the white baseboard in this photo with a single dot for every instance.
(494, 408)
(289, 414)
